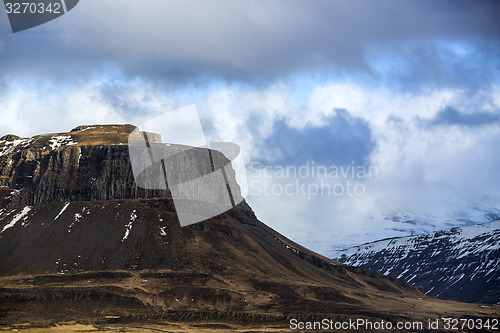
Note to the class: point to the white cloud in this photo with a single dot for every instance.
(245, 116)
(30, 108)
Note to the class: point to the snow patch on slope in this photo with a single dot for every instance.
(77, 219)
(57, 141)
(11, 146)
(21, 215)
(128, 226)
(62, 210)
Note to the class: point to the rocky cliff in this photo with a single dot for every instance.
(88, 163)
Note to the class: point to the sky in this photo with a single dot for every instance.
(407, 90)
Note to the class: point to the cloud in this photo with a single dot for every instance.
(338, 140)
(260, 42)
(450, 116)
(35, 107)
(437, 63)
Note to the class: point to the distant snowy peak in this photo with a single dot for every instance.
(403, 223)
(468, 215)
(461, 263)
(460, 236)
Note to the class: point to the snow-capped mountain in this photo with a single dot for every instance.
(461, 263)
(417, 222)
(399, 223)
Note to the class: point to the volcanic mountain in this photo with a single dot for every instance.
(81, 242)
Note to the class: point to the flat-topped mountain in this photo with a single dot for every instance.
(79, 240)
(88, 163)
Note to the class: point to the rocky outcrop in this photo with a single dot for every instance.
(83, 165)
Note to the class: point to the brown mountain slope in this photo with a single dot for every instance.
(80, 242)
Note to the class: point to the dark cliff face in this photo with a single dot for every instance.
(85, 173)
(83, 165)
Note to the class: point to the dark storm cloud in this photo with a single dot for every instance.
(262, 41)
(439, 64)
(341, 140)
(450, 116)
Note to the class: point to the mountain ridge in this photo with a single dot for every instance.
(459, 263)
